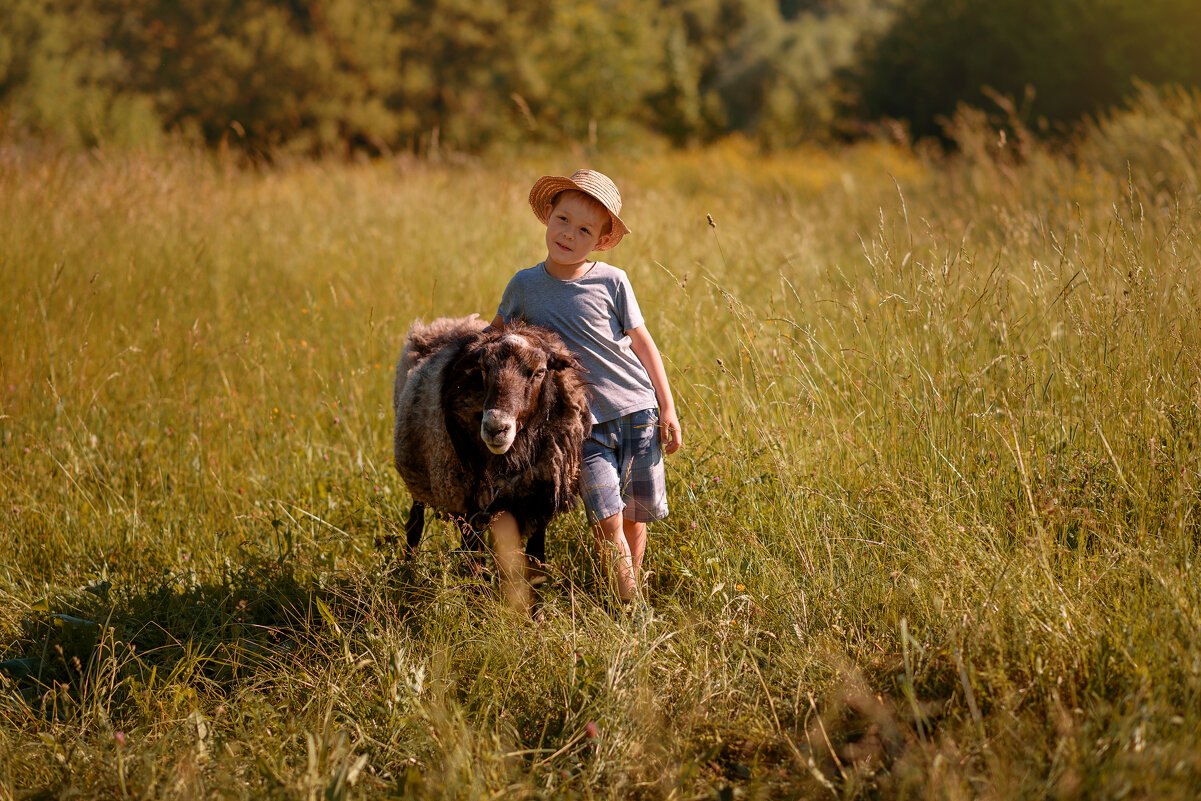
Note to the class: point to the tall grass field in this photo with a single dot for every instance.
(934, 533)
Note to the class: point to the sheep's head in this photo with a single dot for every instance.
(513, 361)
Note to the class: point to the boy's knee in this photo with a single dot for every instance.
(633, 526)
(609, 527)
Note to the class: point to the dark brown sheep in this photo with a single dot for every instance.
(489, 419)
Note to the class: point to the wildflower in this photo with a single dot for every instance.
(740, 587)
(692, 524)
(122, 741)
(591, 729)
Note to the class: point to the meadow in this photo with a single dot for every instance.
(934, 529)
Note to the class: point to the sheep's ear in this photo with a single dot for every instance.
(563, 359)
(471, 359)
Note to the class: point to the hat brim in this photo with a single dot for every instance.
(544, 191)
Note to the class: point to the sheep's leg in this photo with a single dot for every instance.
(414, 526)
(535, 547)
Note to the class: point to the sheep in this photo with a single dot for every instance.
(489, 419)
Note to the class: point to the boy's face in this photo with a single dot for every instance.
(575, 226)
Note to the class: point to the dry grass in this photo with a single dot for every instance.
(934, 533)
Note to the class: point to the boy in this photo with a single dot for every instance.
(592, 307)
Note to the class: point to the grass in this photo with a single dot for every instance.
(934, 531)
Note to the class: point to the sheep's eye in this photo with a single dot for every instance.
(541, 371)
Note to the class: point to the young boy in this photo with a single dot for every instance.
(592, 307)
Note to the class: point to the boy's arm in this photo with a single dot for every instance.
(497, 320)
(646, 351)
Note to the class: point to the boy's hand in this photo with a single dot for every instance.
(644, 348)
(670, 432)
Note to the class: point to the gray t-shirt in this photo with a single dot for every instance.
(592, 314)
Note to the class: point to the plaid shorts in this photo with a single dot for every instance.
(623, 469)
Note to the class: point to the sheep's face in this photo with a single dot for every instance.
(513, 368)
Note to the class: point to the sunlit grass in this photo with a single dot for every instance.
(934, 530)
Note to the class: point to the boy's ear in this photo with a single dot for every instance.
(546, 211)
(603, 241)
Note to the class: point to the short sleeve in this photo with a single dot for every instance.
(510, 305)
(626, 305)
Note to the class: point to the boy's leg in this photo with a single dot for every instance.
(610, 534)
(600, 488)
(643, 483)
(635, 534)
(506, 546)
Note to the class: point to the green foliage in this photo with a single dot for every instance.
(274, 76)
(590, 66)
(305, 76)
(1078, 57)
(56, 79)
(334, 76)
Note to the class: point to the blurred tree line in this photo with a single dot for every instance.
(386, 75)
(1061, 60)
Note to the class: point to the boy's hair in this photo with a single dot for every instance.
(591, 201)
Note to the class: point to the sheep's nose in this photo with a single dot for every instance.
(498, 430)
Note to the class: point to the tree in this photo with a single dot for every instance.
(1078, 56)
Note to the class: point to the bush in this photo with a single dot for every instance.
(56, 79)
(1080, 56)
(277, 76)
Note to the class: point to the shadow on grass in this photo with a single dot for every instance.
(210, 633)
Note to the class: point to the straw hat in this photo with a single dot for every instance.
(590, 182)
